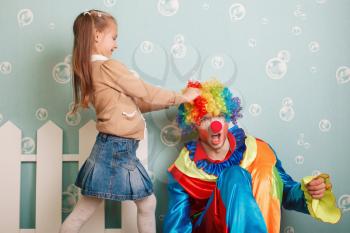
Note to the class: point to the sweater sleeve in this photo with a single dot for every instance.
(120, 78)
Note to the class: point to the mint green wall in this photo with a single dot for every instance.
(289, 61)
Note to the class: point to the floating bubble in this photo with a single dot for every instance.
(178, 51)
(73, 190)
(52, 26)
(62, 73)
(264, 21)
(284, 55)
(307, 145)
(344, 202)
(288, 229)
(146, 47)
(316, 173)
(28, 145)
(217, 62)
(5, 67)
(313, 69)
(161, 217)
(205, 6)
(109, 3)
(321, 1)
(73, 119)
(170, 135)
(255, 109)
(342, 74)
(276, 68)
(300, 141)
(314, 46)
(179, 39)
(71, 106)
(325, 125)
(168, 7)
(25, 17)
(296, 30)
(252, 43)
(68, 202)
(237, 12)
(287, 113)
(68, 59)
(288, 102)
(299, 12)
(299, 159)
(41, 114)
(39, 47)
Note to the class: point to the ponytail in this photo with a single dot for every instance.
(83, 29)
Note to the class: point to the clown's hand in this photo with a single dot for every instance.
(190, 94)
(317, 187)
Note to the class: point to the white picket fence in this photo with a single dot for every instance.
(49, 159)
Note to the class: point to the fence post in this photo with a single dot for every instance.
(49, 178)
(10, 175)
(87, 136)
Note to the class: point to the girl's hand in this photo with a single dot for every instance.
(317, 187)
(190, 94)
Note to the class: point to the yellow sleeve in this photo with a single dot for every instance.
(324, 209)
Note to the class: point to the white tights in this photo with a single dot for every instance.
(86, 206)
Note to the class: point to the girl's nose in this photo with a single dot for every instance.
(216, 126)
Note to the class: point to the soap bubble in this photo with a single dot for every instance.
(217, 62)
(342, 74)
(5, 67)
(41, 114)
(179, 39)
(109, 3)
(287, 113)
(296, 30)
(62, 73)
(255, 109)
(170, 135)
(325, 125)
(276, 68)
(314, 46)
(299, 159)
(237, 12)
(146, 47)
(28, 145)
(25, 17)
(252, 43)
(168, 7)
(344, 203)
(73, 119)
(178, 50)
(39, 47)
(288, 102)
(288, 229)
(284, 55)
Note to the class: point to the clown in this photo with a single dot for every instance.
(227, 181)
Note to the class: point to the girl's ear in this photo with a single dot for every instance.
(98, 36)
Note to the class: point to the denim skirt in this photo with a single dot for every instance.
(113, 171)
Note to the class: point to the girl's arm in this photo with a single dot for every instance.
(121, 79)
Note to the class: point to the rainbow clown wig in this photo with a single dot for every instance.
(215, 99)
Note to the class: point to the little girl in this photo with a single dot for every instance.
(112, 170)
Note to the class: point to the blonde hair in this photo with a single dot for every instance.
(83, 28)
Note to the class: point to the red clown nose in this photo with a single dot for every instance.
(216, 126)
